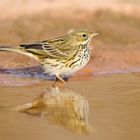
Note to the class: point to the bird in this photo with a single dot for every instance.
(60, 56)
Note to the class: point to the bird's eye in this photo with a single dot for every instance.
(83, 35)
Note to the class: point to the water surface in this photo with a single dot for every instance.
(104, 108)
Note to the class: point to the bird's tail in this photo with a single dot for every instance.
(11, 49)
(17, 50)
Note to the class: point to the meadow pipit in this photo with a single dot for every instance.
(61, 56)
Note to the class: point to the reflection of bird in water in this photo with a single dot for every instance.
(63, 107)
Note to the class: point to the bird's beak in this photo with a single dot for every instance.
(94, 34)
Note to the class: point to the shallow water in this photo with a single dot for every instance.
(104, 108)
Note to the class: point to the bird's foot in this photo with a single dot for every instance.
(59, 82)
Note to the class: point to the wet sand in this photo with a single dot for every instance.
(103, 108)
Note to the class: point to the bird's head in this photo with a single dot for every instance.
(81, 37)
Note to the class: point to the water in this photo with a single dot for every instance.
(104, 108)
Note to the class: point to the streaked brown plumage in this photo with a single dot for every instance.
(61, 56)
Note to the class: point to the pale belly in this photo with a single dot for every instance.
(55, 67)
(77, 65)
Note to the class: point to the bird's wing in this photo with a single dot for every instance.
(44, 49)
(61, 46)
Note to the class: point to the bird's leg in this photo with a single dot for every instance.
(58, 79)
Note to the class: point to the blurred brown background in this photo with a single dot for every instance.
(116, 49)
